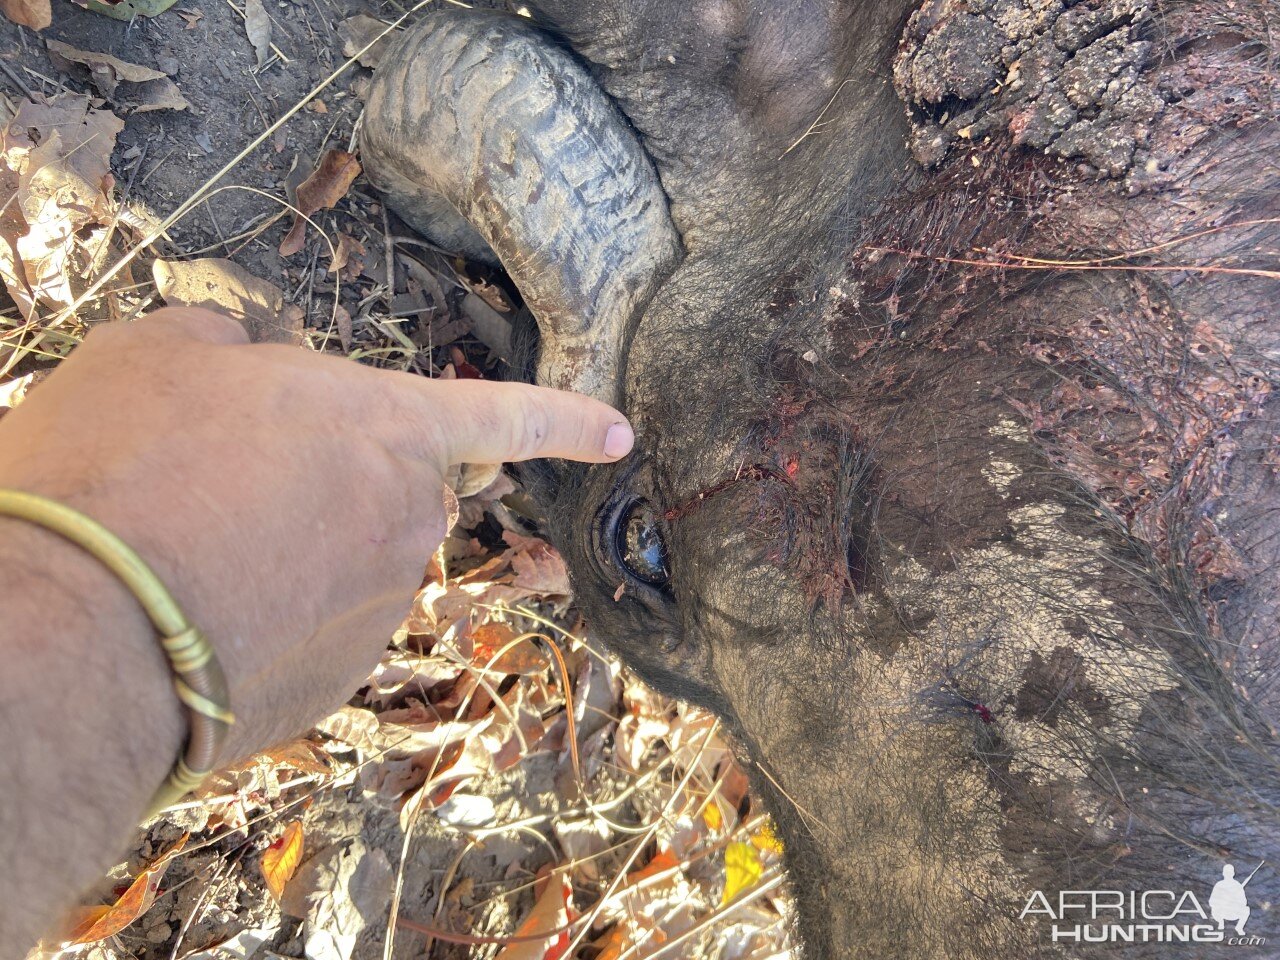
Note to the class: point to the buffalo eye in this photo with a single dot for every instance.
(638, 540)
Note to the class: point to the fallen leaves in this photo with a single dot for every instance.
(226, 286)
(280, 860)
(538, 568)
(108, 71)
(766, 839)
(327, 185)
(127, 9)
(257, 26)
(133, 88)
(35, 14)
(359, 32)
(551, 912)
(91, 924)
(467, 693)
(347, 247)
(337, 893)
(55, 182)
(742, 869)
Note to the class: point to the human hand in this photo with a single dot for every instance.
(289, 500)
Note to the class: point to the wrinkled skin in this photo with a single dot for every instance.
(976, 557)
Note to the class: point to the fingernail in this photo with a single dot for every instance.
(618, 441)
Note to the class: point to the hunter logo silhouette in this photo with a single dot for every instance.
(1148, 916)
(1228, 900)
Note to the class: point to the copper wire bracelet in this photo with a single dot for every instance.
(198, 677)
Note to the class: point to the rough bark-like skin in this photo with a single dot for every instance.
(958, 420)
(1066, 80)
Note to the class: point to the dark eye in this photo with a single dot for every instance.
(640, 545)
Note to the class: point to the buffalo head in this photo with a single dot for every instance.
(952, 505)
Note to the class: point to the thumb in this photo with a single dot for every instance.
(481, 421)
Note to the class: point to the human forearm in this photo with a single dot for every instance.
(89, 724)
(288, 502)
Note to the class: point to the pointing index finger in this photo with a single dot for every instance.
(482, 421)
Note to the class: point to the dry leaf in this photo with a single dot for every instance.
(401, 671)
(549, 913)
(538, 568)
(13, 225)
(299, 755)
(467, 810)
(766, 839)
(582, 842)
(320, 191)
(241, 946)
(91, 924)
(656, 902)
(257, 25)
(58, 180)
(338, 892)
(490, 294)
(742, 869)
(355, 253)
(13, 392)
(105, 70)
(29, 13)
(524, 658)
(612, 944)
(490, 327)
(228, 287)
(161, 94)
(280, 860)
(145, 89)
(85, 137)
(342, 321)
(358, 32)
(127, 9)
(355, 727)
(712, 817)
(345, 246)
(663, 861)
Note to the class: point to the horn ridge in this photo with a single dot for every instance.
(482, 132)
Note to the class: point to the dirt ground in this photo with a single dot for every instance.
(162, 155)
(453, 791)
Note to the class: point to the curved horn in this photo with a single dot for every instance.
(483, 134)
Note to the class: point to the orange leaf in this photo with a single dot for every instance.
(82, 922)
(522, 658)
(662, 861)
(298, 755)
(281, 859)
(320, 191)
(91, 924)
(612, 943)
(35, 14)
(549, 913)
